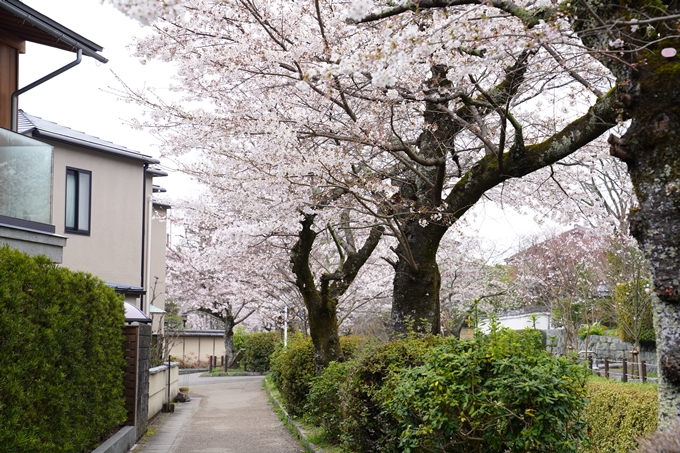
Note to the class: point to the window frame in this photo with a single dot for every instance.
(77, 202)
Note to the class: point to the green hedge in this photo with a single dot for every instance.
(366, 426)
(324, 403)
(618, 413)
(259, 346)
(62, 361)
(293, 369)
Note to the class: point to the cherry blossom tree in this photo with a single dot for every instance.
(209, 273)
(565, 272)
(322, 300)
(413, 150)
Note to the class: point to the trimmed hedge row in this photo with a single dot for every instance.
(259, 346)
(617, 414)
(62, 361)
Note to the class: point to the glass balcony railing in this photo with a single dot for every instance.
(25, 179)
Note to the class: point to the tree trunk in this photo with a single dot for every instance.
(228, 341)
(415, 300)
(651, 147)
(322, 304)
(323, 328)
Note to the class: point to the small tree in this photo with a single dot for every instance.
(167, 336)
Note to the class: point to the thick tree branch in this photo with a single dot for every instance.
(519, 162)
(355, 261)
(299, 256)
(530, 18)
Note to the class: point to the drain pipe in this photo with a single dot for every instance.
(16, 94)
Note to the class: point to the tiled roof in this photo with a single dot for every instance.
(40, 128)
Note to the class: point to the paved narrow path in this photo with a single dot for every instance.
(225, 415)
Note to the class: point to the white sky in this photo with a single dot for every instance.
(79, 99)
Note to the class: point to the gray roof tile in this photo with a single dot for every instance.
(40, 128)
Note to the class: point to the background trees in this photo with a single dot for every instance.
(210, 273)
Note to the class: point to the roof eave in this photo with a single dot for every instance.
(53, 28)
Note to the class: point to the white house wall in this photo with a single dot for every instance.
(158, 255)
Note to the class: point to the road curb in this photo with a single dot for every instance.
(299, 431)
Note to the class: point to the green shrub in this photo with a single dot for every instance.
(293, 369)
(634, 311)
(500, 392)
(240, 335)
(61, 335)
(593, 329)
(259, 346)
(366, 427)
(619, 413)
(324, 406)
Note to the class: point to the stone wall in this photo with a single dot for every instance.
(602, 346)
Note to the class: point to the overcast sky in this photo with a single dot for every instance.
(79, 99)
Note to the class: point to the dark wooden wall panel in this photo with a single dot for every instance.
(8, 81)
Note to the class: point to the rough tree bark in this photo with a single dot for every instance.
(650, 148)
(322, 303)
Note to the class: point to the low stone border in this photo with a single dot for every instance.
(299, 431)
(192, 370)
(121, 442)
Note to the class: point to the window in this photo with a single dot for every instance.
(78, 184)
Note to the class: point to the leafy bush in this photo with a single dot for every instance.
(293, 369)
(495, 393)
(619, 413)
(366, 427)
(259, 346)
(593, 329)
(62, 340)
(324, 406)
(240, 335)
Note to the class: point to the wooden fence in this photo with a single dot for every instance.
(623, 370)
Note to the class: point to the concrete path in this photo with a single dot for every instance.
(230, 414)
